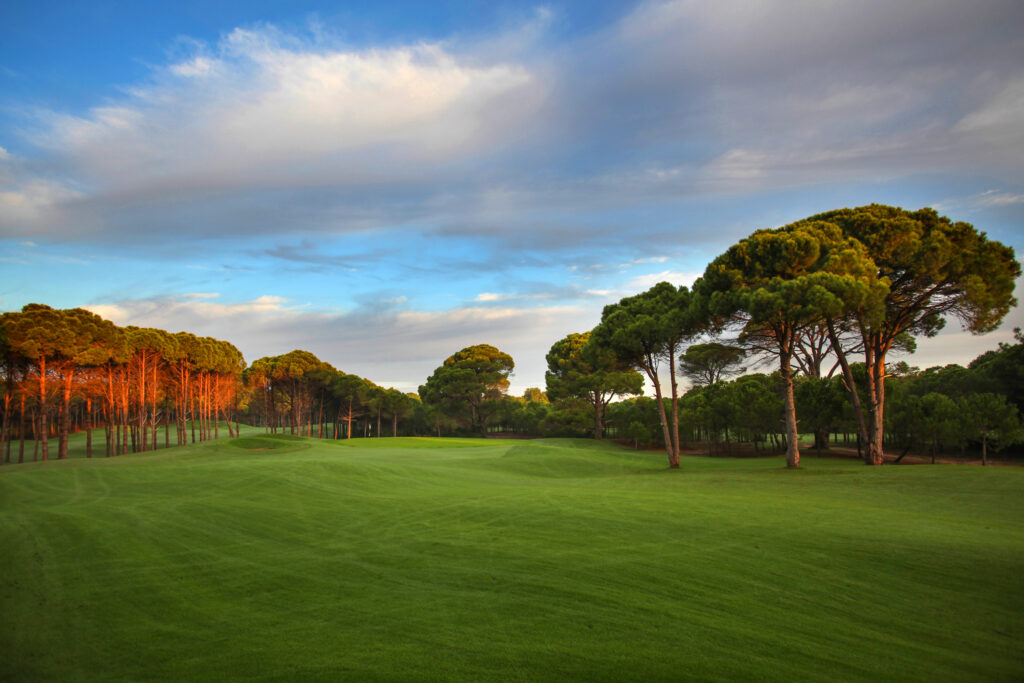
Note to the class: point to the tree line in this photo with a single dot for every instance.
(68, 370)
(831, 288)
(826, 300)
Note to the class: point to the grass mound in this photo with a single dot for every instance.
(426, 559)
(266, 443)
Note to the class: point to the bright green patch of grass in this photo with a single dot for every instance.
(396, 559)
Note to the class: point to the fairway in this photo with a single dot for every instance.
(278, 558)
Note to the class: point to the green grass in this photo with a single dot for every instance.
(277, 558)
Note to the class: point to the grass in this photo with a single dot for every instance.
(276, 558)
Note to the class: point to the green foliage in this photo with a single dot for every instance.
(591, 372)
(991, 420)
(644, 330)
(535, 395)
(1002, 371)
(932, 267)
(469, 383)
(791, 277)
(74, 336)
(748, 408)
(819, 403)
(780, 283)
(638, 433)
(569, 417)
(712, 362)
(642, 409)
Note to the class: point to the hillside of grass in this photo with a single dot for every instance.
(280, 558)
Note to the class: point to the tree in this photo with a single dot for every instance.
(398, 405)
(535, 395)
(989, 418)
(9, 363)
(709, 363)
(929, 268)
(298, 374)
(641, 409)
(147, 349)
(645, 330)
(469, 379)
(1002, 370)
(639, 434)
(777, 284)
(350, 391)
(59, 343)
(819, 403)
(578, 370)
(941, 422)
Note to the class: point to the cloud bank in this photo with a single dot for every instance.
(384, 205)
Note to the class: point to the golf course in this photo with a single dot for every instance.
(283, 558)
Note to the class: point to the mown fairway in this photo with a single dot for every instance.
(403, 559)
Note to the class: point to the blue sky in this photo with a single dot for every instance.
(386, 183)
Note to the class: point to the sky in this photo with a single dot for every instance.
(385, 183)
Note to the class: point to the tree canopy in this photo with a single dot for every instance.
(579, 370)
(927, 267)
(779, 283)
(467, 380)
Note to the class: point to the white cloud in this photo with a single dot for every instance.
(642, 261)
(491, 297)
(268, 110)
(197, 66)
(642, 283)
(994, 198)
(32, 198)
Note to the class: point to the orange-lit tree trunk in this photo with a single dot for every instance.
(67, 377)
(41, 407)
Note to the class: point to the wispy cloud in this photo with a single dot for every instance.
(493, 297)
(996, 198)
(643, 261)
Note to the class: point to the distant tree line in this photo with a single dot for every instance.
(299, 394)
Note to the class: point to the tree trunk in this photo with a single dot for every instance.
(851, 387)
(21, 431)
(874, 360)
(792, 433)
(5, 429)
(348, 435)
(673, 459)
(65, 414)
(141, 418)
(675, 404)
(984, 450)
(88, 427)
(42, 410)
(598, 410)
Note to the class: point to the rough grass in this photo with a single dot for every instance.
(394, 559)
